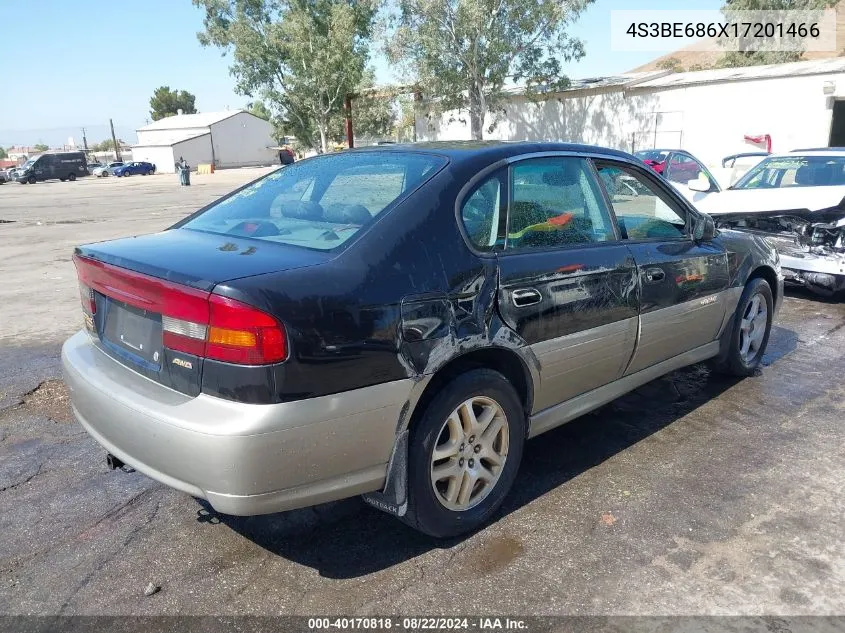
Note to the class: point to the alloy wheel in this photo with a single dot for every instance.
(470, 453)
(752, 328)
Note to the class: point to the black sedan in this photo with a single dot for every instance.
(397, 321)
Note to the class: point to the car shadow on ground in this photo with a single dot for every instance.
(799, 292)
(349, 539)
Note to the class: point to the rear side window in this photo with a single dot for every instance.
(481, 212)
(319, 203)
(556, 203)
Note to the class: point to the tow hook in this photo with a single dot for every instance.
(116, 464)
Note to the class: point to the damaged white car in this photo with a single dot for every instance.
(796, 200)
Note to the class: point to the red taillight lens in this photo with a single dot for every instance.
(193, 321)
(238, 333)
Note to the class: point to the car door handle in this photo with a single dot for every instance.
(653, 275)
(526, 297)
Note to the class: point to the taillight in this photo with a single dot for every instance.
(238, 333)
(234, 332)
(89, 306)
(192, 321)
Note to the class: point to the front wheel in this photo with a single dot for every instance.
(126, 174)
(31, 180)
(71, 177)
(464, 454)
(751, 329)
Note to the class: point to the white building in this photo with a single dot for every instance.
(233, 138)
(708, 113)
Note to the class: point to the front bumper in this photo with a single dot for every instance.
(825, 273)
(244, 459)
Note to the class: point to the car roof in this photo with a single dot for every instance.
(470, 151)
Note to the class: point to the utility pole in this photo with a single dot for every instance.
(84, 141)
(114, 140)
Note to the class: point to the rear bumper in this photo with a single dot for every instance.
(244, 459)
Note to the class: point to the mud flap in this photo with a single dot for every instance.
(725, 339)
(393, 499)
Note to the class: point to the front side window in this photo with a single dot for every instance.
(555, 202)
(642, 210)
(320, 202)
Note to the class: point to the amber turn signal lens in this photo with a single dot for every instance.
(234, 338)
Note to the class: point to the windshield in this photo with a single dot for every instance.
(652, 154)
(795, 171)
(30, 162)
(320, 202)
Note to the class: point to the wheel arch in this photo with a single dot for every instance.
(501, 359)
(770, 276)
(393, 498)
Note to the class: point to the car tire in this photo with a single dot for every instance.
(62, 179)
(473, 486)
(31, 180)
(71, 177)
(126, 174)
(751, 328)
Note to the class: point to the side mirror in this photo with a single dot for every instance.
(703, 228)
(701, 184)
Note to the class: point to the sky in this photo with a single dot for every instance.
(79, 64)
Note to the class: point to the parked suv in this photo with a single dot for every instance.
(397, 321)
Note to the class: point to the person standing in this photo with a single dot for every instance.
(184, 172)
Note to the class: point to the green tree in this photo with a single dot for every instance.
(259, 109)
(166, 102)
(672, 64)
(373, 112)
(302, 56)
(462, 52)
(40, 147)
(3, 153)
(733, 59)
(406, 118)
(104, 146)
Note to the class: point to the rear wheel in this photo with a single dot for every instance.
(751, 329)
(464, 454)
(71, 177)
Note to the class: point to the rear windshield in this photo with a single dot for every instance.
(321, 202)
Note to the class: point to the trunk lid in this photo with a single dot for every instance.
(148, 301)
(198, 259)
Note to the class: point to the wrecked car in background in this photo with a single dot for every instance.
(797, 201)
(684, 171)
